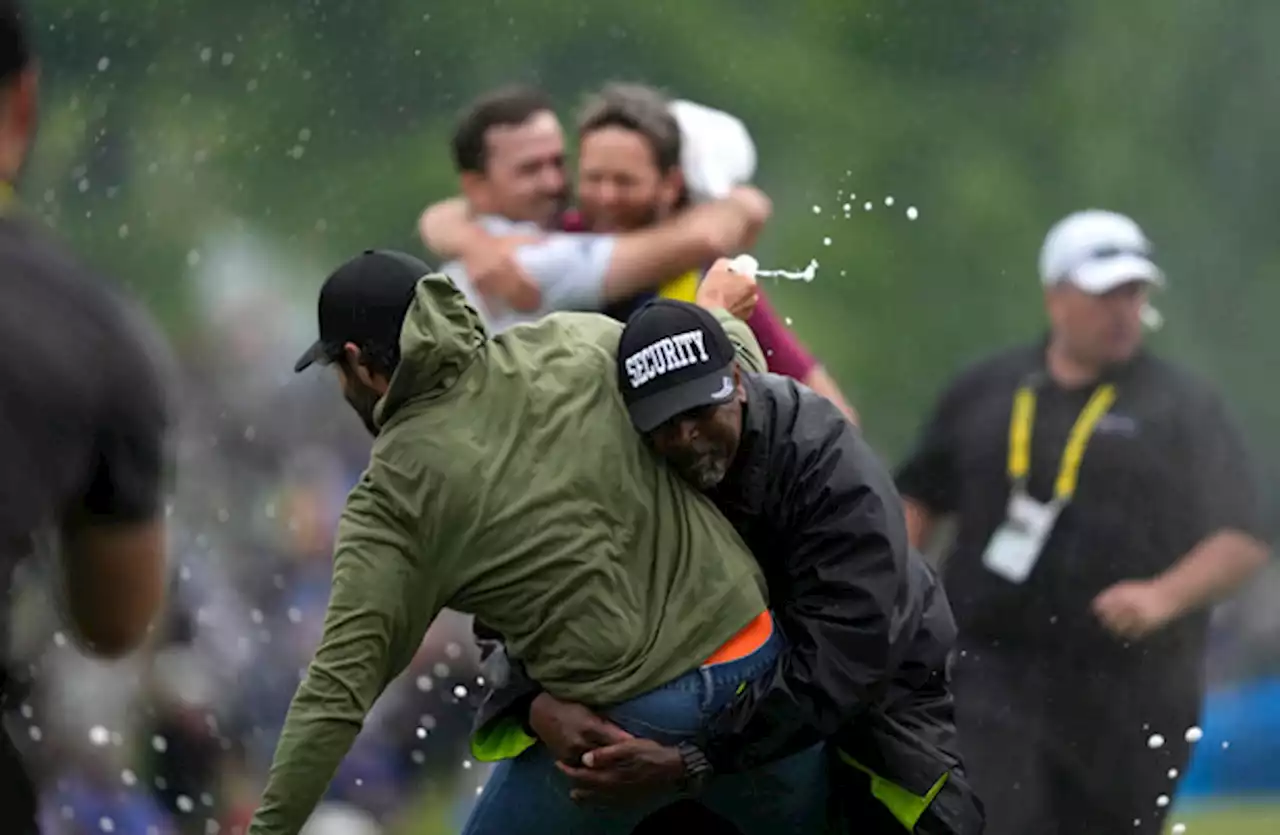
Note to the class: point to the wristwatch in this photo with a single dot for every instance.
(697, 768)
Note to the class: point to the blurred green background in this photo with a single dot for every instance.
(318, 128)
(324, 125)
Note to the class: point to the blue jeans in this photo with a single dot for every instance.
(529, 796)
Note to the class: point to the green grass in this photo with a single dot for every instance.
(1244, 817)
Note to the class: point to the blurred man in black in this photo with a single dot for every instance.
(1103, 501)
(82, 424)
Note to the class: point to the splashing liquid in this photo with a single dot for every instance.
(807, 274)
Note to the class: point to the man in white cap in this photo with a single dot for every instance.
(1103, 503)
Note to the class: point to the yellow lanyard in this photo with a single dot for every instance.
(1024, 416)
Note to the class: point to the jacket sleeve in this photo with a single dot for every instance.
(843, 577)
(379, 608)
(746, 347)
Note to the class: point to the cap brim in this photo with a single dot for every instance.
(712, 390)
(1098, 277)
(314, 355)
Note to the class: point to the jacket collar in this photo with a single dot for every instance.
(743, 488)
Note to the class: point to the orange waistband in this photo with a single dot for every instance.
(747, 640)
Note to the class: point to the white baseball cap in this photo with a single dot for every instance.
(717, 152)
(1097, 251)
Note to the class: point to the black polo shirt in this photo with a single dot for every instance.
(82, 399)
(1164, 469)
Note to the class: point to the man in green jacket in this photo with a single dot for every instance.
(505, 481)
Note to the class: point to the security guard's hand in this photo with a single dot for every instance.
(730, 290)
(1135, 608)
(570, 730)
(626, 772)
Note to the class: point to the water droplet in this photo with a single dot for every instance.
(453, 650)
(479, 789)
(847, 208)
(99, 735)
(1162, 801)
(185, 804)
(1155, 741)
(159, 743)
(425, 684)
(868, 206)
(1179, 829)
(128, 778)
(428, 721)
(817, 210)
(67, 812)
(421, 732)
(1226, 745)
(459, 691)
(103, 63)
(296, 152)
(1173, 774)
(59, 639)
(826, 242)
(1193, 734)
(227, 58)
(295, 614)
(252, 85)
(418, 757)
(35, 733)
(123, 231)
(106, 824)
(27, 710)
(193, 258)
(83, 185)
(206, 55)
(441, 670)
(888, 201)
(359, 781)
(787, 321)
(466, 764)
(912, 213)
(1137, 822)
(256, 615)
(304, 135)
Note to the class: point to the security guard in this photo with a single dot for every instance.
(1103, 502)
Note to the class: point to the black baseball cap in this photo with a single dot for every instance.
(15, 47)
(365, 300)
(673, 357)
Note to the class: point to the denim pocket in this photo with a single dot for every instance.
(670, 714)
(727, 680)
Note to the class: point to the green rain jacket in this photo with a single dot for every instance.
(506, 482)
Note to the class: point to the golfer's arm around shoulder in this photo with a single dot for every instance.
(382, 600)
